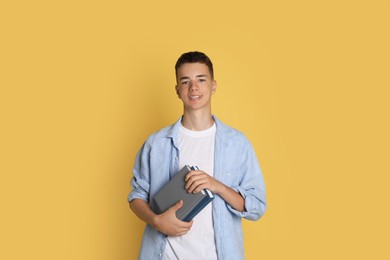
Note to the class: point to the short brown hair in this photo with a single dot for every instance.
(194, 57)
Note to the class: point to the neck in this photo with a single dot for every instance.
(197, 121)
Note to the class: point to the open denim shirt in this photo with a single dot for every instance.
(235, 165)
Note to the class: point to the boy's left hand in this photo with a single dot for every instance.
(199, 180)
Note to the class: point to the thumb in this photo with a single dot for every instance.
(178, 205)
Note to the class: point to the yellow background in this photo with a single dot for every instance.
(83, 83)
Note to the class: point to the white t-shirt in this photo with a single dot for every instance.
(196, 148)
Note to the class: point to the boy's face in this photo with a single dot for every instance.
(195, 86)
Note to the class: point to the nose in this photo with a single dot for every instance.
(194, 86)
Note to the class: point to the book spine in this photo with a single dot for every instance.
(203, 203)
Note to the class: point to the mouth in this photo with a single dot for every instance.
(193, 97)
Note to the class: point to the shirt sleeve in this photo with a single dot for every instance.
(140, 182)
(251, 187)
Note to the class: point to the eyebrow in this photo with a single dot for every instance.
(197, 76)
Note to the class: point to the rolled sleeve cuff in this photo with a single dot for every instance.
(252, 211)
(136, 195)
(139, 190)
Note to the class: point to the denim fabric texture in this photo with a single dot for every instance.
(235, 165)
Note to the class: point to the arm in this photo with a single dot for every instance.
(138, 198)
(198, 180)
(167, 222)
(251, 185)
(245, 199)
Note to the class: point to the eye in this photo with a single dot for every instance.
(202, 80)
(185, 82)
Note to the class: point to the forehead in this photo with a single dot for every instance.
(192, 70)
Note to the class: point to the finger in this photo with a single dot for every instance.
(184, 224)
(178, 205)
(187, 225)
(195, 184)
(183, 229)
(195, 178)
(191, 174)
(200, 187)
(180, 233)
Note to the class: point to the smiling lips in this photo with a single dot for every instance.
(194, 97)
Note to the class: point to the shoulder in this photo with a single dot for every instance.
(228, 132)
(158, 136)
(164, 135)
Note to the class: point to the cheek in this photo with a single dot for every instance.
(181, 93)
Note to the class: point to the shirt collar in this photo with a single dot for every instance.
(222, 130)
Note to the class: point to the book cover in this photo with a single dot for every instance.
(174, 191)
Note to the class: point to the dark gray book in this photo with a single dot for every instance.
(174, 191)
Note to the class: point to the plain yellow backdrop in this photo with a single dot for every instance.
(83, 83)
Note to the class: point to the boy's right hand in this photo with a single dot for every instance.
(167, 222)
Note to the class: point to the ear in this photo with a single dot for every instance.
(177, 91)
(214, 86)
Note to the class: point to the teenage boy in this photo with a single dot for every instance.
(228, 167)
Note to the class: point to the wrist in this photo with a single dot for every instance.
(154, 221)
(220, 188)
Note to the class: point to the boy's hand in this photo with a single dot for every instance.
(199, 180)
(167, 222)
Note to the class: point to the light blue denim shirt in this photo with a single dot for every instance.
(235, 165)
